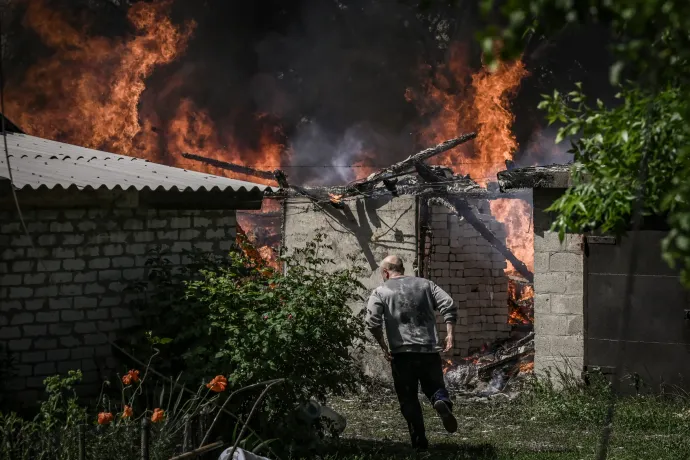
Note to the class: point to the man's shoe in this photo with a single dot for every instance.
(447, 417)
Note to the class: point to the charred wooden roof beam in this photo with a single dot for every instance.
(462, 208)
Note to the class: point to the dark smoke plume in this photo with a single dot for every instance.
(331, 73)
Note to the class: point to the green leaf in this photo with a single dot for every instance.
(615, 72)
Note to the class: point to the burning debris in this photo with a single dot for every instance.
(520, 302)
(336, 200)
(407, 165)
(496, 370)
(438, 185)
(258, 233)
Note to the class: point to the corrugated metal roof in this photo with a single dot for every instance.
(39, 162)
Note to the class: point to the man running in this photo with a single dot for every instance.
(406, 305)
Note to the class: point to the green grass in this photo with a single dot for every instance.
(540, 424)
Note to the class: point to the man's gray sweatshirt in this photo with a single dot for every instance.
(406, 304)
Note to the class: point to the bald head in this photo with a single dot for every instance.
(393, 264)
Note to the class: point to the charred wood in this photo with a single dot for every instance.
(483, 370)
(231, 166)
(526, 347)
(462, 208)
(391, 186)
(554, 176)
(408, 163)
(277, 175)
(281, 178)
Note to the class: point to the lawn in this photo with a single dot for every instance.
(540, 424)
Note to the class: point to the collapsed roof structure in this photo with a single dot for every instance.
(411, 176)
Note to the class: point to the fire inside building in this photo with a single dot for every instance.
(335, 121)
(443, 225)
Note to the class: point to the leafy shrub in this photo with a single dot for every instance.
(238, 317)
(179, 330)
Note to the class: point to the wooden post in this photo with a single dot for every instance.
(82, 441)
(145, 432)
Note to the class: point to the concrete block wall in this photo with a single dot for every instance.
(466, 266)
(370, 229)
(558, 293)
(53, 314)
(558, 303)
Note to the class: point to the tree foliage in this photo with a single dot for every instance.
(651, 45)
(252, 323)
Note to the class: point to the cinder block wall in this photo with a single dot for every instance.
(559, 293)
(466, 266)
(370, 229)
(52, 313)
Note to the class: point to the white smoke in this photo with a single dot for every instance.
(329, 157)
(541, 150)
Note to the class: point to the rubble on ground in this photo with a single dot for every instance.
(497, 371)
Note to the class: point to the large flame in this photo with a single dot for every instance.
(516, 215)
(88, 93)
(456, 101)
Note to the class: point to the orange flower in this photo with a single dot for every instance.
(131, 376)
(158, 415)
(218, 384)
(105, 418)
(127, 412)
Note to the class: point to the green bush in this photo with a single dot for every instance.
(237, 317)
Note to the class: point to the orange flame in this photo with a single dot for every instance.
(89, 91)
(495, 140)
(192, 130)
(527, 367)
(260, 231)
(454, 107)
(520, 303)
(335, 198)
(516, 216)
(361, 167)
(247, 247)
(447, 365)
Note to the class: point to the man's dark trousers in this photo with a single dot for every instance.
(410, 370)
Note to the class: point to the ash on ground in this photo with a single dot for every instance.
(498, 371)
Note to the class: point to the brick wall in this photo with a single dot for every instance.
(52, 313)
(466, 266)
(558, 288)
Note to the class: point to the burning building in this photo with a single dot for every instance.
(327, 101)
(441, 225)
